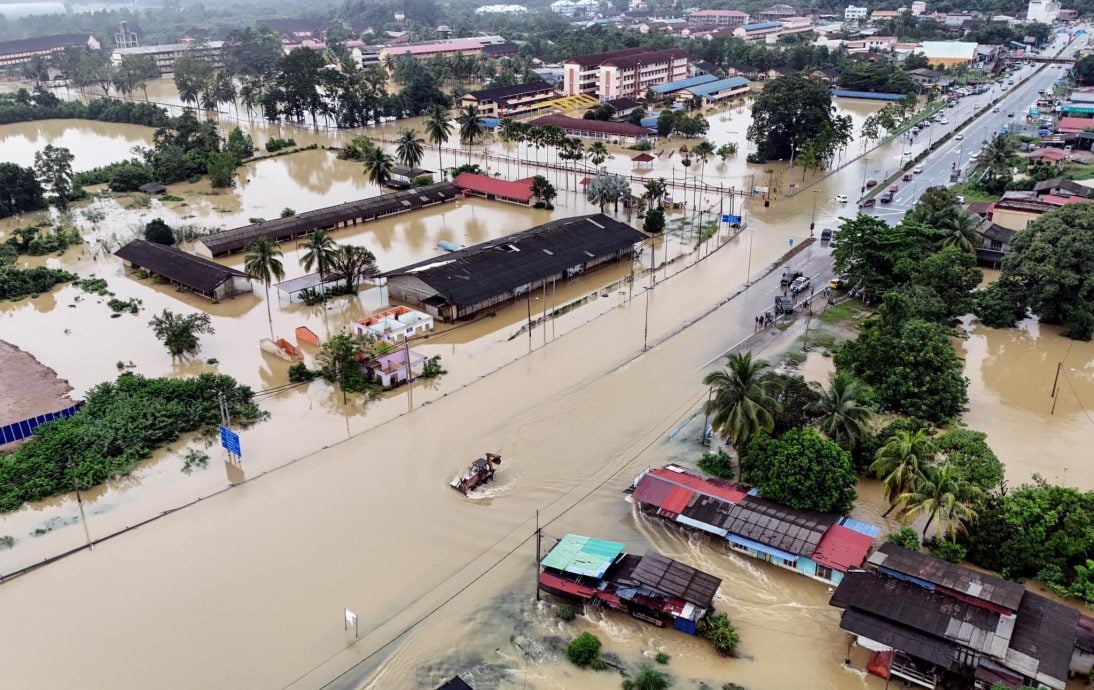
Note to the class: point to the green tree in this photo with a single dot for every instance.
(470, 128)
(654, 222)
(179, 333)
(319, 250)
(337, 360)
(378, 167)
(997, 306)
(793, 110)
(969, 452)
(800, 469)
(717, 464)
(901, 461)
(597, 153)
(1084, 70)
(795, 398)
(943, 494)
(20, 190)
(408, 148)
(584, 649)
(960, 232)
(221, 168)
(717, 628)
(744, 402)
(543, 190)
(649, 678)
(53, 166)
(952, 275)
(999, 155)
(655, 191)
(438, 129)
(606, 189)
(904, 537)
(159, 232)
(843, 413)
(876, 255)
(1050, 270)
(354, 264)
(239, 144)
(263, 263)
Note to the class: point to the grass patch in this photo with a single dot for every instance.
(795, 358)
(844, 311)
(171, 197)
(1077, 172)
(972, 193)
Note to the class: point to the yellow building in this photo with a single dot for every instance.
(948, 53)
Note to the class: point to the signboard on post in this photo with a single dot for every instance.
(230, 441)
(731, 219)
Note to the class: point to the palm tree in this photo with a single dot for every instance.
(604, 189)
(656, 190)
(438, 129)
(598, 153)
(319, 251)
(842, 416)
(942, 492)
(378, 165)
(961, 231)
(408, 148)
(703, 150)
(263, 262)
(470, 128)
(744, 401)
(999, 155)
(508, 133)
(900, 463)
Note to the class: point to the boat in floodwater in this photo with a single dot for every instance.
(479, 472)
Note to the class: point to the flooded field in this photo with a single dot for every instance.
(92, 143)
(349, 507)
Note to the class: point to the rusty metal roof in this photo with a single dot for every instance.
(676, 579)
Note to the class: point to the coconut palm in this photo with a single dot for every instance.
(470, 128)
(999, 155)
(941, 493)
(378, 165)
(508, 133)
(961, 232)
(598, 153)
(263, 263)
(703, 151)
(842, 415)
(438, 129)
(901, 463)
(605, 189)
(408, 148)
(656, 190)
(743, 402)
(319, 250)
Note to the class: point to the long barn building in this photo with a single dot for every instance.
(329, 218)
(462, 284)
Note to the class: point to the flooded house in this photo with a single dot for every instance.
(329, 218)
(466, 282)
(820, 546)
(929, 622)
(395, 325)
(495, 189)
(652, 587)
(193, 273)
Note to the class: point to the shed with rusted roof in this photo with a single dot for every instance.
(193, 273)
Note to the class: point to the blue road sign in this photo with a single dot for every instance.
(729, 218)
(230, 441)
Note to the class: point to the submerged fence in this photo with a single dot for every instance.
(20, 430)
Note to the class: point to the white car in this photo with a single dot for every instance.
(917, 169)
(906, 154)
(945, 121)
(959, 137)
(842, 198)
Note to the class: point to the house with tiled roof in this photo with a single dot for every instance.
(821, 546)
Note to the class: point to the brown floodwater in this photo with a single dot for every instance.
(92, 143)
(246, 588)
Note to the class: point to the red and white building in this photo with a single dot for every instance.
(623, 73)
(721, 18)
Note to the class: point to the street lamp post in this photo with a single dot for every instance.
(813, 217)
(865, 168)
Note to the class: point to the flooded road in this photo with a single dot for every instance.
(246, 588)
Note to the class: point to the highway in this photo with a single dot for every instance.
(937, 166)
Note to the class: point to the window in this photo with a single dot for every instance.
(996, 245)
(789, 562)
(824, 572)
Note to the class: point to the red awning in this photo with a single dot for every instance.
(677, 499)
(566, 586)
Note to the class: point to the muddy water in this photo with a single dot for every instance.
(92, 143)
(242, 568)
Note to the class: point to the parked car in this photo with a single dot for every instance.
(788, 277)
(867, 203)
(886, 197)
(837, 283)
(800, 284)
(894, 189)
(959, 136)
(784, 305)
(917, 169)
(842, 198)
(1010, 114)
(826, 234)
(944, 121)
(907, 177)
(871, 183)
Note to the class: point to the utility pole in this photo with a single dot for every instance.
(528, 301)
(706, 417)
(1056, 380)
(646, 325)
(406, 356)
(813, 218)
(539, 541)
(865, 168)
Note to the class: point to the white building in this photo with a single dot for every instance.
(1043, 11)
(501, 9)
(587, 7)
(564, 7)
(723, 18)
(395, 324)
(919, 7)
(165, 55)
(855, 14)
(623, 73)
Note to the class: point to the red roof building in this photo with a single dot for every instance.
(1049, 154)
(512, 191)
(841, 548)
(1071, 125)
(1064, 200)
(594, 129)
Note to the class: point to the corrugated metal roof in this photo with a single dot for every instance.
(1047, 632)
(897, 637)
(709, 89)
(949, 575)
(683, 84)
(581, 555)
(761, 25)
(949, 49)
(782, 527)
(711, 487)
(197, 273)
(842, 548)
(676, 579)
(652, 491)
(677, 500)
(515, 189)
(581, 126)
(868, 95)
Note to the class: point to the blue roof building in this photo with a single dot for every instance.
(674, 86)
(868, 95)
(760, 26)
(719, 90)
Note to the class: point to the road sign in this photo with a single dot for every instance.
(731, 219)
(230, 441)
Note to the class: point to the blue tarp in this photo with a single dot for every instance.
(870, 95)
(762, 548)
(489, 122)
(861, 527)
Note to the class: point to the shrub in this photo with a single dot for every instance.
(584, 649)
(299, 372)
(275, 144)
(288, 212)
(946, 550)
(16, 283)
(662, 658)
(906, 537)
(159, 232)
(598, 664)
(422, 180)
(651, 679)
(565, 612)
(194, 459)
(221, 168)
(717, 464)
(655, 222)
(432, 368)
(716, 628)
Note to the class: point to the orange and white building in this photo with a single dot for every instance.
(623, 73)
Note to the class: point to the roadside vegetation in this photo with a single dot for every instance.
(121, 423)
